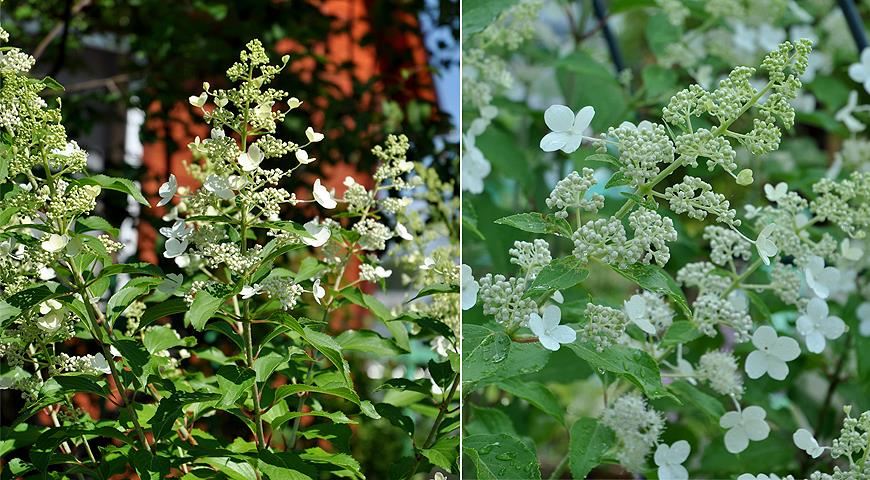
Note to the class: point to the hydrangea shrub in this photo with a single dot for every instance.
(265, 286)
(644, 293)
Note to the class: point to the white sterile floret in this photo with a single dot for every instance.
(53, 316)
(370, 273)
(567, 129)
(98, 362)
(860, 72)
(670, 460)
(171, 283)
(474, 166)
(468, 286)
(251, 160)
(743, 426)
(635, 308)
(863, 314)
(531, 256)
(429, 262)
(777, 193)
(816, 326)
(805, 440)
(849, 251)
(54, 243)
(771, 355)
(198, 100)
(249, 291)
(846, 114)
(765, 246)
(319, 233)
(176, 238)
(219, 186)
(403, 232)
(821, 279)
(303, 158)
(547, 328)
(323, 196)
(317, 291)
(167, 191)
(313, 136)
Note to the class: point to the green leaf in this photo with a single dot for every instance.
(444, 453)
(469, 219)
(265, 364)
(403, 384)
(560, 274)
(585, 81)
(343, 465)
(483, 348)
(435, 289)
(140, 268)
(659, 81)
(680, 332)
(477, 15)
(400, 334)
(233, 382)
(308, 269)
(604, 158)
(81, 383)
(51, 84)
(162, 337)
(706, 403)
(630, 363)
(537, 223)
(141, 363)
(342, 392)
(156, 311)
(15, 304)
(589, 442)
(122, 299)
(618, 179)
(395, 416)
(118, 184)
(501, 456)
(488, 421)
(170, 408)
(367, 341)
(205, 304)
(536, 394)
(656, 280)
(99, 224)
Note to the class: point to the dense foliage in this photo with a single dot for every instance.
(666, 267)
(146, 360)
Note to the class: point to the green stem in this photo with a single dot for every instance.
(560, 469)
(442, 410)
(96, 318)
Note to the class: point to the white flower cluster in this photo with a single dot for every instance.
(637, 428)
(503, 299)
(570, 192)
(604, 326)
(531, 256)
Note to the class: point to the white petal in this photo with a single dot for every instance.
(680, 451)
(662, 455)
(559, 118)
(536, 324)
(313, 136)
(563, 334)
(776, 368)
(786, 349)
(323, 196)
(756, 364)
(817, 309)
(673, 472)
(736, 440)
(804, 440)
(764, 336)
(857, 72)
(756, 430)
(833, 327)
(753, 412)
(552, 316)
(815, 342)
(583, 119)
(730, 419)
(554, 141)
(572, 143)
(549, 343)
